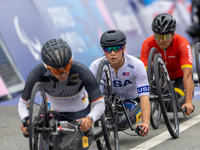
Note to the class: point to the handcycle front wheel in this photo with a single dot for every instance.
(155, 116)
(150, 71)
(166, 95)
(38, 119)
(109, 126)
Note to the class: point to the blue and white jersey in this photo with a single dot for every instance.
(131, 80)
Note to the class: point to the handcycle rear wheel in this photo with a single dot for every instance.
(166, 95)
(38, 119)
(109, 127)
(155, 117)
(197, 57)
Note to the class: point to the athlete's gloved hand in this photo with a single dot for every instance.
(145, 129)
(86, 123)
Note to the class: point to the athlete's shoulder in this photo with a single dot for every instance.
(97, 61)
(149, 39)
(78, 67)
(179, 38)
(39, 70)
(132, 59)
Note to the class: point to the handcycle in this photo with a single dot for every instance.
(162, 95)
(48, 133)
(116, 113)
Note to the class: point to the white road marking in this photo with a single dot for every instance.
(165, 135)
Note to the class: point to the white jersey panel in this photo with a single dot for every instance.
(131, 80)
(73, 103)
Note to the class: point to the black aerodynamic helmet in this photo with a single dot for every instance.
(56, 53)
(113, 38)
(164, 23)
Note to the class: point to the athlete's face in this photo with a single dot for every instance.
(114, 56)
(163, 41)
(62, 73)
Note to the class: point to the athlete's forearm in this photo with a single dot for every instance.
(145, 109)
(188, 86)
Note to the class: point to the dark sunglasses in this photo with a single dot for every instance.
(114, 48)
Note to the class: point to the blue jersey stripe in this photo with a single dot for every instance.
(143, 89)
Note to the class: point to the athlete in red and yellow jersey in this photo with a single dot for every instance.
(176, 53)
(176, 57)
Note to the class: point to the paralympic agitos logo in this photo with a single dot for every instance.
(34, 47)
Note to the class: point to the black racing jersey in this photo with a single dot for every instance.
(71, 92)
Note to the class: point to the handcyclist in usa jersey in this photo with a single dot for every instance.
(176, 53)
(69, 85)
(128, 74)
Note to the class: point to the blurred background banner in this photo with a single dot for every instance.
(27, 25)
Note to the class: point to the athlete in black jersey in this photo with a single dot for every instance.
(69, 85)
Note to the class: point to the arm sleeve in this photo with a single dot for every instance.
(22, 108)
(95, 96)
(98, 108)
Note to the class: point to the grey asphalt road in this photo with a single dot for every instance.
(11, 137)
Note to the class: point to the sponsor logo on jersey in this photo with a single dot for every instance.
(131, 66)
(125, 74)
(143, 89)
(171, 56)
(189, 53)
(74, 78)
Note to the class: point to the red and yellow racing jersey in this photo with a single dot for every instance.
(176, 57)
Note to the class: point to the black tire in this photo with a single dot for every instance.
(155, 117)
(166, 95)
(38, 118)
(197, 57)
(109, 126)
(152, 52)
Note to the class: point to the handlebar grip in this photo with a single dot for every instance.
(26, 125)
(79, 123)
(26, 135)
(138, 129)
(88, 133)
(185, 109)
(194, 108)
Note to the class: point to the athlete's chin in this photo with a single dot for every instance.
(113, 61)
(62, 79)
(162, 46)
